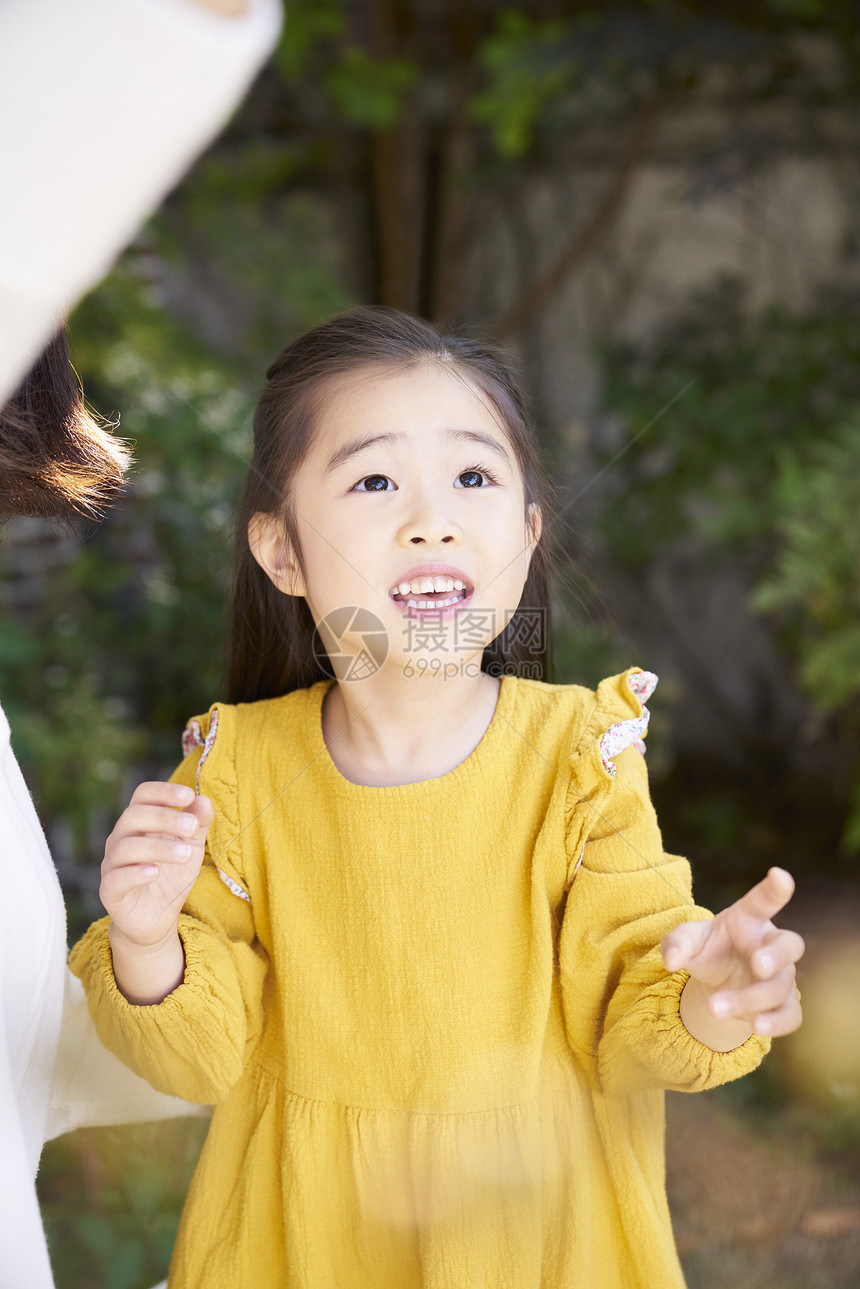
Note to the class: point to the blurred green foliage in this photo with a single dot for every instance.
(758, 462)
(125, 639)
(813, 589)
(762, 393)
(311, 23)
(116, 1230)
(527, 65)
(815, 582)
(364, 68)
(370, 91)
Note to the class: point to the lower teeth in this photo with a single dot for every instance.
(434, 604)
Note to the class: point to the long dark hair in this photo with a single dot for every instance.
(56, 460)
(273, 647)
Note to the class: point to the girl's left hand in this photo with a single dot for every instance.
(742, 964)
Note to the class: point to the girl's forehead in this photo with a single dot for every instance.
(420, 399)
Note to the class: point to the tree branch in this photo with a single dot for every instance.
(586, 238)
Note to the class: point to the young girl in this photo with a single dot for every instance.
(403, 926)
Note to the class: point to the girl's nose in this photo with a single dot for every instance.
(429, 530)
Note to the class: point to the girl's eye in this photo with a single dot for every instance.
(478, 477)
(375, 483)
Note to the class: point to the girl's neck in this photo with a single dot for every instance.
(386, 730)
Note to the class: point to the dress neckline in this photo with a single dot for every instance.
(470, 766)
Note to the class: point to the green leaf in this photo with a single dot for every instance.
(527, 65)
(369, 91)
(308, 25)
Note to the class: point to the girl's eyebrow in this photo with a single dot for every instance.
(355, 446)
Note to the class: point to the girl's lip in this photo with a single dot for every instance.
(434, 569)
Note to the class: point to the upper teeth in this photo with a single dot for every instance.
(422, 585)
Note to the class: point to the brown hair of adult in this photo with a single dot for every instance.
(273, 647)
(56, 461)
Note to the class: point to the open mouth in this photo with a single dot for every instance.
(431, 593)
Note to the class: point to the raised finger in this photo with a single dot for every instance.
(203, 811)
(768, 896)
(134, 849)
(119, 882)
(156, 793)
(158, 820)
(682, 945)
(783, 949)
(783, 1020)
(754, 1000)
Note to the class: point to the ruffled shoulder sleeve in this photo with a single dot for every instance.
(209, 767)
(618, 721)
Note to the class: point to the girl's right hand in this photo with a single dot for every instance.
(152, 859)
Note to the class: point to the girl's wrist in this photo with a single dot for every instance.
(703, 1025)
(146, 973)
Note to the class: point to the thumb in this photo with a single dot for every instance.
(681, 946)
(203, 811)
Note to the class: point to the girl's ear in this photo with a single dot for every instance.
(272, 550)
(534, 527)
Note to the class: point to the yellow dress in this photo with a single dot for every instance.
(433, 1018)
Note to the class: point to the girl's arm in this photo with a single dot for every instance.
(179, 996)
(638, 1021)
(196, 1040)
(627, 895)
(151, 862)
(741, 968)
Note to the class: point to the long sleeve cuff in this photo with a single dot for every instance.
(193, 1044)
(650, 1047)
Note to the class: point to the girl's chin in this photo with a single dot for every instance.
(451, 669)
(442, 665)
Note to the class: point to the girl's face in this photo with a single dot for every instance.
(410, 505)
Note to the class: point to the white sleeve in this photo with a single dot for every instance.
(91, 1086)
(103, 106)
(23, 1252)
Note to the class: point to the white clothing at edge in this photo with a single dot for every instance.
(39, 1100)
(103, 104)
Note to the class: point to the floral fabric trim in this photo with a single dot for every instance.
(643, 684)
(193, 737)
(232, 886)
(624, 734)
